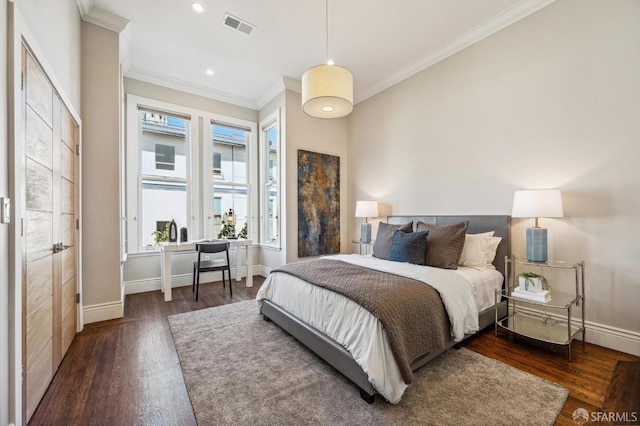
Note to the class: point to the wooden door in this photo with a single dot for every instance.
(49, 285)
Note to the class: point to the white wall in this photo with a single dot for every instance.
(549, 102)
(56, 27)
(317, 135)
(100, 156)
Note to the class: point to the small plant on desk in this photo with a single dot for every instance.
(161, 236)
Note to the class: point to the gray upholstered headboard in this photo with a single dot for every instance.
(501, 225)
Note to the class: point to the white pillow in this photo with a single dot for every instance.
(475, 250)
(492, 248)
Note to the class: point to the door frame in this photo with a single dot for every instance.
(19, 35)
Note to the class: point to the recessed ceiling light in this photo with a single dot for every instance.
(198, 7)
(209, 72)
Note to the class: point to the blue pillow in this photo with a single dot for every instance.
(409, 247)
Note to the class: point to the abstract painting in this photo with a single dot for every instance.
(318, 204)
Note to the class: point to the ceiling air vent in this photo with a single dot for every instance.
(238, 24)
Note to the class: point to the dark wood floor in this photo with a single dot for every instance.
(126, 371)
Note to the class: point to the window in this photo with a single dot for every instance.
(231, 185)
(188, 165)
(163, 179)
(217, 165)
(270, 180)
(165, 157)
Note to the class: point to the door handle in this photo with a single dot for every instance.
(57, 248)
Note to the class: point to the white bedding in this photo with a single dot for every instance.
(465, 292)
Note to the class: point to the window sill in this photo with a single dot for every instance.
(268, 247)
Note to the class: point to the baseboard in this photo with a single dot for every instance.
(182, 280)
(262, 270)
(103, 312)
(622, 340)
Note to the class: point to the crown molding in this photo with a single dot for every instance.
(287, 83)
(100, 17)
(84, 6)
(271, 93)
(493, 25)
(184, 86)
(292, 84)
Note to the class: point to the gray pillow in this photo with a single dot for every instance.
(409, 247)
(384, 238)
(444, 244)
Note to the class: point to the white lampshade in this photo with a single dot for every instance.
(327, 91)
(367, 209)
(537, 203)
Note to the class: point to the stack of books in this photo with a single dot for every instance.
(535, 296)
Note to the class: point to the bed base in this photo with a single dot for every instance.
(338, 357)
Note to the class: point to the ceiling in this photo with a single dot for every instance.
(380, 42)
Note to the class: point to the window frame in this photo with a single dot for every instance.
(266, 124)
(199, 171)
(134, 172)
(208, 183)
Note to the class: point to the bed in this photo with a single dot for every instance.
(352, 340)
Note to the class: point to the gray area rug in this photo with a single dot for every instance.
(240, 369)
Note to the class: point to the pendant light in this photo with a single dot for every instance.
(327, 90)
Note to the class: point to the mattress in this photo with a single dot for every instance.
(357, 330)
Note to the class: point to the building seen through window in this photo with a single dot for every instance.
(230, 175)
(164, 162)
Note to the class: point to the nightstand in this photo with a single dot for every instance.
(533, 319)
(363, 248)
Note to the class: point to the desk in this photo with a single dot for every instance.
(167, 249)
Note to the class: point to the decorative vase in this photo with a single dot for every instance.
(173, 231)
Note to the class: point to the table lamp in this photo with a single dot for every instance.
(366, 209)
(537, 203)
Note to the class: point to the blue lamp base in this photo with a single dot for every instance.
(537, 244)
(365, 233)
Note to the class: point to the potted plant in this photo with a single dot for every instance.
(228, 231)
(160, 236)
(529, 281)
(243, 231)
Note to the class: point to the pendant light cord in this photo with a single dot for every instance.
(326, 21)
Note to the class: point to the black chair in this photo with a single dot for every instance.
(211, 265)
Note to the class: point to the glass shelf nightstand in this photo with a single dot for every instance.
(529, 321)
(363, 248)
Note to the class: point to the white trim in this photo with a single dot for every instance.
(474, 35)
(103, 311)
(252, 186)
(292, 84)
(183, 280)
(262, 270)
(84, 6)
(185, 86)
(270, 121)
(271, 93)
(102, 18)
(608, 336)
